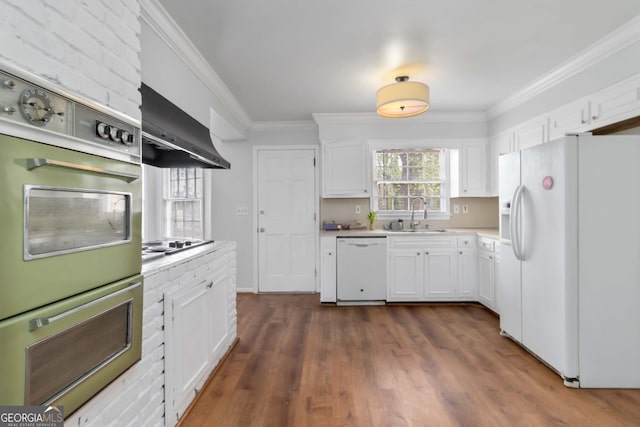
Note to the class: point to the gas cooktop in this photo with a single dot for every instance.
(158, 248)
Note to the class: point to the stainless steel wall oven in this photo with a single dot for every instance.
(70, 209)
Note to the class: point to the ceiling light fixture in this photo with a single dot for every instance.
(403, 98)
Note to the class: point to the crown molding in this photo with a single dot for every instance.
(613, 42)
(153, 14)
(373, 118)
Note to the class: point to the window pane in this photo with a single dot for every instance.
(402, 176)
(183, 204)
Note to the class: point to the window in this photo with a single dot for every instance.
(183, 203)
(404, 175)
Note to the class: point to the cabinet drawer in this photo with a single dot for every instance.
(467, 241)
(421, 242)
(486, 244)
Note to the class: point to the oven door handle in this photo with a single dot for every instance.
(39, 322)
(40, 162)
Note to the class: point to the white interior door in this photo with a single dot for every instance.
(286, 220)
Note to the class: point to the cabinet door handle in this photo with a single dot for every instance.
(460, 252)
(426, 253)
(418, 253)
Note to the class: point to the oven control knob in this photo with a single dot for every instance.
(103, 130)
(115, 134)
(126, 137)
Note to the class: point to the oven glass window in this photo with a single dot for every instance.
(62, 220)
(58, 362)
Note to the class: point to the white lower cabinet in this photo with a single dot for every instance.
(487, 273)
(431, 269)
(196, 315)
(187, 336)
(406, 275)
(328, 264)
(441, 273)
(467, 274)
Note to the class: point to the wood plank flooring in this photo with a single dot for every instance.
(300, 363)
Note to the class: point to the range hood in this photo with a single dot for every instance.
(172, 138)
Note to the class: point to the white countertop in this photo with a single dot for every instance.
(484, 232)
(165, 261)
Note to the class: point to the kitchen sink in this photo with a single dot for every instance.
(421, 230)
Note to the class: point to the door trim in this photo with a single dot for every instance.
(316, 204)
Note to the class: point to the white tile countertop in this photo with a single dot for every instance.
(484, 232)
(165, 261)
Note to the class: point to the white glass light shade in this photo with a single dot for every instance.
(402, 99)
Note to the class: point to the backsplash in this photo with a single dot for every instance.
(483, 212)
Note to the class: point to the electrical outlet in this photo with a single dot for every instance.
(242, 210)
(465, 209)
(358, 210)
(456, 209)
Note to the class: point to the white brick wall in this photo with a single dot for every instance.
(90, 47)
(136, 398)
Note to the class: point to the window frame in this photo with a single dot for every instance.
(168, 200)
(153, 218)
(445, 189)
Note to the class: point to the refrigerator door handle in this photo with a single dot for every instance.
(516, 223)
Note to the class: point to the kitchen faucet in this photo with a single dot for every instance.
(412, 224)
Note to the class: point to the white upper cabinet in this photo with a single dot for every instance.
(499, 144)
(474, 169)
(531, 133)
(345, 169)
(469, 170)
(619, 102)
(568, 119)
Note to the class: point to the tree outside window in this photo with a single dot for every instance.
(402, 175)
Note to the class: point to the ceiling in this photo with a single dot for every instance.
(286, 59)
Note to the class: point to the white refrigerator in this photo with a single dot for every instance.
(570, 271)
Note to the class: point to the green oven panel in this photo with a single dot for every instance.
(39, 368)
(29, 283)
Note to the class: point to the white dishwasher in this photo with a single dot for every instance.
(361, 270)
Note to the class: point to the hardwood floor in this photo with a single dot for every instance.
(300, 363)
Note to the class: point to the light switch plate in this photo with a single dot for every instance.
(357, 209)
(456, 209)
(465, 209)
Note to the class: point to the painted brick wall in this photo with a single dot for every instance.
(136, 398)
(90, 47)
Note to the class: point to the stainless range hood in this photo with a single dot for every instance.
(172, 138)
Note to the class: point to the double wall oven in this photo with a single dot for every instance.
(70, 212)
